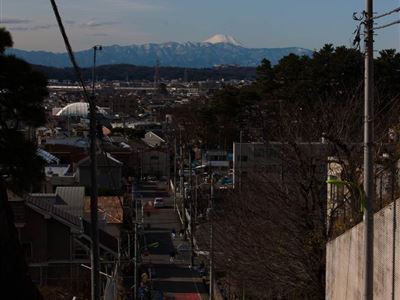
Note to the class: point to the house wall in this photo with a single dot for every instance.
(216, 158)
(113, 229)
(58, 240)
(129, 161)
(344, 258)
(51, 183)
(107, 177)
(155, 163)
(35, 232)
(49, 239)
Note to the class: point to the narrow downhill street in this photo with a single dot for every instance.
(176, 280)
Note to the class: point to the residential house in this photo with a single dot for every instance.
(155, 162)
(217, 159)
(57, 175)
(109, 172)
(57, 242)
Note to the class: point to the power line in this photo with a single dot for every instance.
(357, 33)
(386, 14)
(69, 50)
(387, 25)
(95, 260)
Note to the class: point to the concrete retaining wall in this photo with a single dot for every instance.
(344, 257)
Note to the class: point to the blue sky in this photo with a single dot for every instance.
(255, 23)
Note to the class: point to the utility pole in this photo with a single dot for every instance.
(94, 253)
(195, 199)
(175, 173)
(368, 263)
(191, 209)
(211, 285)
(181, 185)
(240, 159)
(129, 246)
(135, 268)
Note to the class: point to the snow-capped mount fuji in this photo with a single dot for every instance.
(222, 38)
(217, 50)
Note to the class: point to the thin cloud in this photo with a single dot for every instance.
(35, 27)
(20, 28)
(136, 5)
(100, 34)
(46, 26)
(14, 21)
(94, 24)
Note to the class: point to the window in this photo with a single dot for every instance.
(27, 248)
(154, 157)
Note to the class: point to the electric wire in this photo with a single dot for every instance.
(386, 14)
(71, 55)
(357, 39)
(387, 25)
(69, 50)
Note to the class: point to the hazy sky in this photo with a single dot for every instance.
(255, 23)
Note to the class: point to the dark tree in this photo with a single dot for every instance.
(21, 96)
(271, 237)
(265, 76)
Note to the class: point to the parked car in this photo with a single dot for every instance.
(158, 202)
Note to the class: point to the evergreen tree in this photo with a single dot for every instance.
(21, 107)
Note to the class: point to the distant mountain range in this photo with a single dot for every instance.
(217, 50)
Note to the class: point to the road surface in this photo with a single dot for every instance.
(176, 280)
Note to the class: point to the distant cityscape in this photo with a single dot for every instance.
(198, 170)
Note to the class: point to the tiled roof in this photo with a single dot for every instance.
(74, 197)
(110, 206)
(44, 204)
(51, 198)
